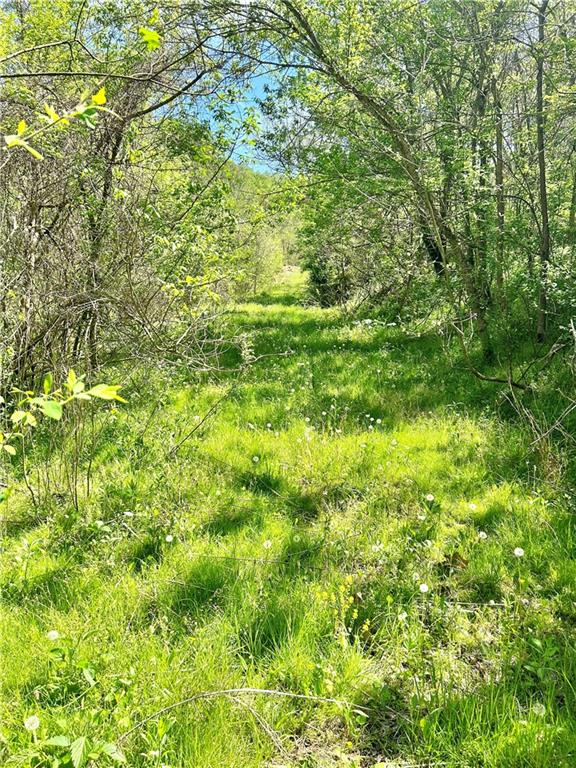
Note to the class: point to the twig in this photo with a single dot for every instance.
(232, 692)
(266, 727)
(479, 375)
(175, 448)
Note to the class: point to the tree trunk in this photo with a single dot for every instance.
(542, 321)
(499, 179)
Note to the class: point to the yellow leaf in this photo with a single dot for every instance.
(99, 98)
(15, 141)
(21, 127)
(52, 114)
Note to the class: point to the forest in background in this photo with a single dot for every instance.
(423, 157)
(280, 222)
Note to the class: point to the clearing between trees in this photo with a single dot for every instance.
(335, 556)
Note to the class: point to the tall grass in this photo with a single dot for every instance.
(353, 525)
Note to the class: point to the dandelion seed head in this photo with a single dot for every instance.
(32, 723)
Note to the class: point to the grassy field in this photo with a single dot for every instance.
(351, 526)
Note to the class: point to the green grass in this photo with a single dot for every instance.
(282, 547)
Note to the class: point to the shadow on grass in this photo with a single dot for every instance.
(50, 589)
(145, 552)
(14, 527)
(228, 522)
(303, 555)
(203, 591)
(298, 504)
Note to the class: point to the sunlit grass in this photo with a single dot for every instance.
(344, 526)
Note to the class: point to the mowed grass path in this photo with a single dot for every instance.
(352, 523)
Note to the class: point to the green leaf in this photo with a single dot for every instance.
(17, 416)
(78, 751)
(58, 741)
(52, 409)
(114, 753)
(10, 449)
(106, 392)
(89, 676)
(71, 380)
(48, 381)
(150, 37)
